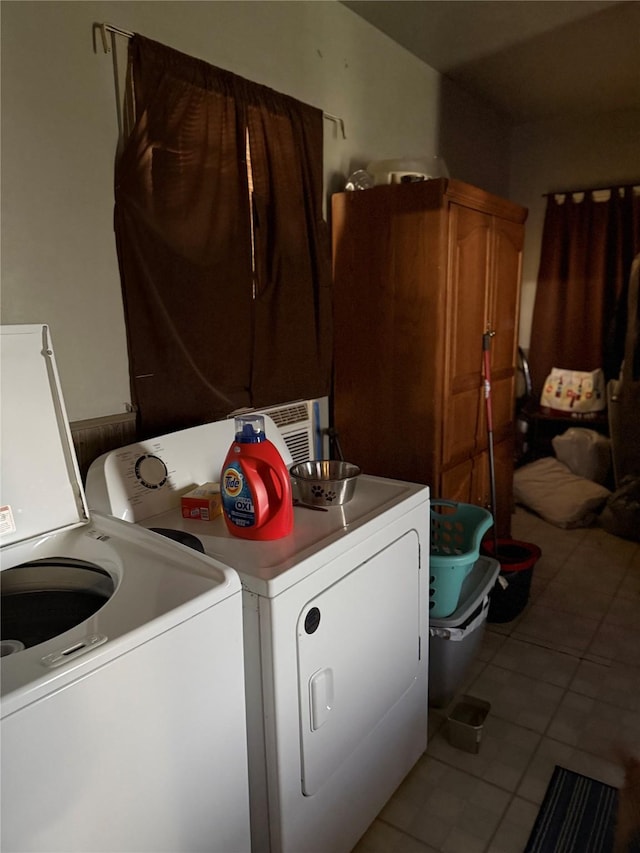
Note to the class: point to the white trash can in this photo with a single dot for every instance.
(454, 642)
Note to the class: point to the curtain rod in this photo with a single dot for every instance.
(109, 28)
(592, 189)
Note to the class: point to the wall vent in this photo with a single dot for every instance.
(295, 422)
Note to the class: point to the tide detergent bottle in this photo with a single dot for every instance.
(255, 484)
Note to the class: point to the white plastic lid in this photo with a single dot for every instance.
(40, 483)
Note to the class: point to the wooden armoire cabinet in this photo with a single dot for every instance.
(421, 272)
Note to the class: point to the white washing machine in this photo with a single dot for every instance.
(336, 635)
(122, 703)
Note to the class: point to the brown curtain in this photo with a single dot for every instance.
(579, 316)
(206, 335)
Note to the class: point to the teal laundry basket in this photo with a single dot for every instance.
(456, 533)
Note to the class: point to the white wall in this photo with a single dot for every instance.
(565, 154)
(59, 134)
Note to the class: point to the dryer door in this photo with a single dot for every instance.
(358, 654)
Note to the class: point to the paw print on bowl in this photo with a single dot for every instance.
(320, 493)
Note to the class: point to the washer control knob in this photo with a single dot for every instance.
(151, 471)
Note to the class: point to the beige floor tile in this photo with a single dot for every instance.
(616, 683)
(491, 643)
(539, 584)
(591, 580)
(504, 629)
(536, 661)
(557, 542)
(593, 568)
(517, 698)
(555, 629)
(504, 754)
(624, 548)
(434, 827)
(593, 726)
(624, 610)
(616, 643)
(634, 562)
(405, 804)
(548, 566)
(440, 805)
(382, 838)
(551, 752)
(515, 828)
(461, 841)
(598, 540)
(630, 585)
(561, 596)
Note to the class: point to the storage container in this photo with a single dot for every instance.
(454, 642)
(456, 533)
(465, 723)
(517, 562)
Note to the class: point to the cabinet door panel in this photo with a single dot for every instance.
(470, 233)
(467, 296)
(505, 294)
(470, 482)
(462, 426)
(455, 484)
(388, 303)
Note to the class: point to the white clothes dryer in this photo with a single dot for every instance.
(335, 635)
(122, 703)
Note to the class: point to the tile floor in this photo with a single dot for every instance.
(563, 680)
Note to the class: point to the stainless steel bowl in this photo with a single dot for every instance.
(325, 482)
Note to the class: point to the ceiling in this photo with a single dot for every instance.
(529, 59)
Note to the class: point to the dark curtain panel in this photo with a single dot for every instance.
(201, 332)
(579, 316)
(293, 340)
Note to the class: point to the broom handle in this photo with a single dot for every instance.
(486, 353)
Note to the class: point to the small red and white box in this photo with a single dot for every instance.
(203, 503)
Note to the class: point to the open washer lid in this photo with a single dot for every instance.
(40, 487)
